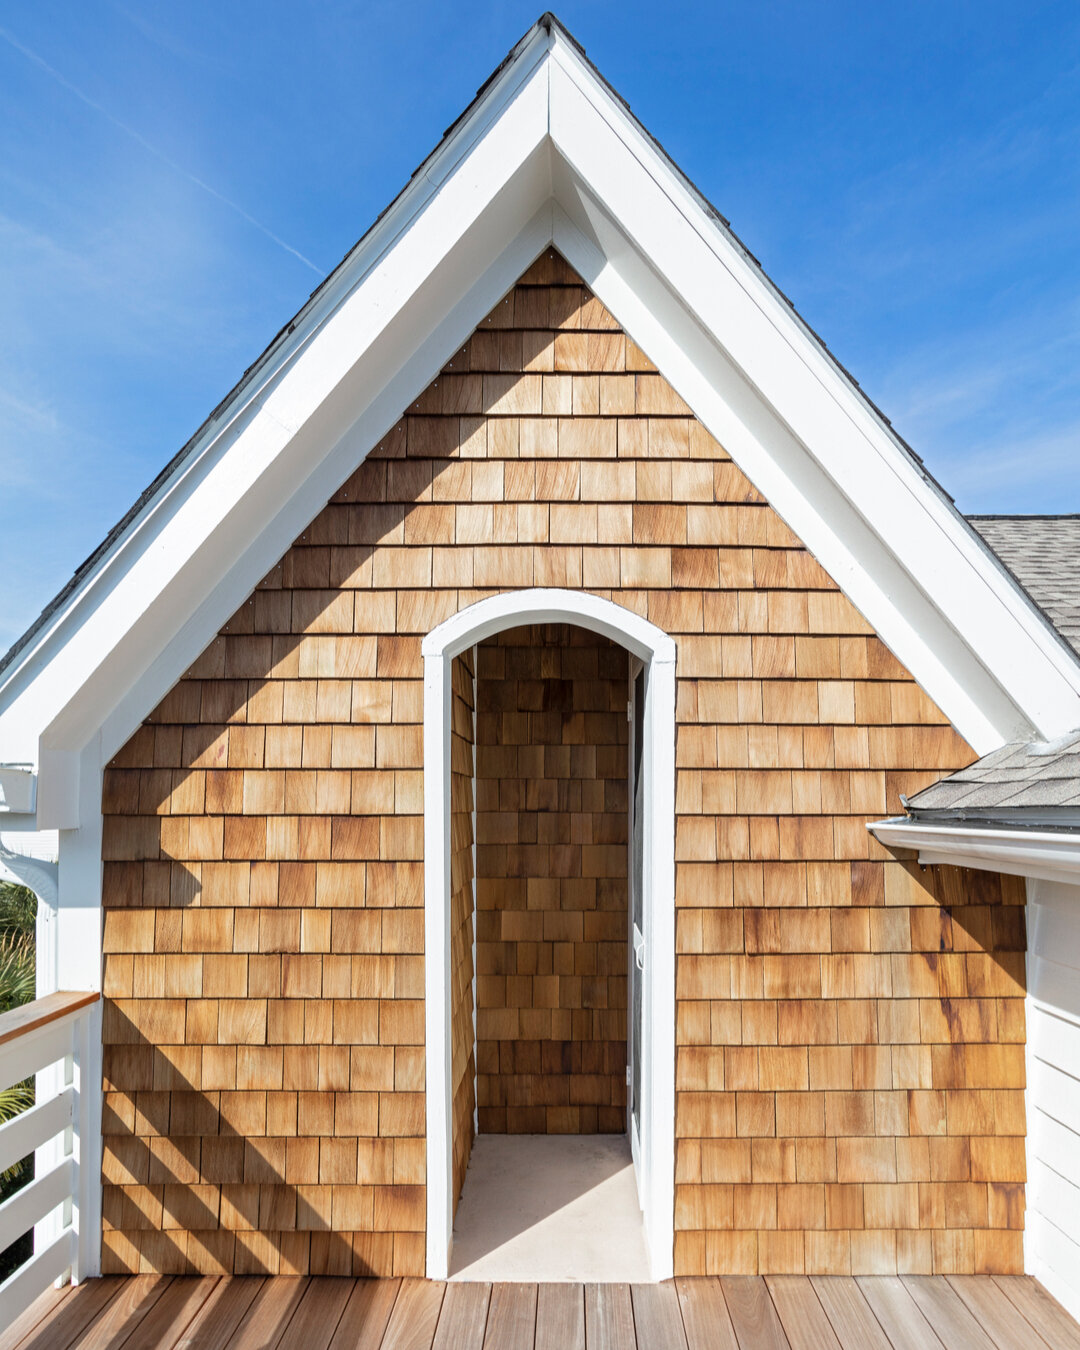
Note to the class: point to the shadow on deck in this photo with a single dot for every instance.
(149, 1312)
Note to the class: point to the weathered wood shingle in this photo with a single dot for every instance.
(850, 1027)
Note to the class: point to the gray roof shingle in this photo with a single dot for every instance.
(1024, 781)
(1043, 554)
(1039, 778)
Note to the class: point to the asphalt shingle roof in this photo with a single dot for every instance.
(1045, 778)
(1043, 554)
(1034, 779)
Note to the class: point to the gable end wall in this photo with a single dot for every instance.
(850, 1027)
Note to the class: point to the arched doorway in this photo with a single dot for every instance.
(652, 787)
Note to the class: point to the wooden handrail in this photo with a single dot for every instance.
(20, 1021)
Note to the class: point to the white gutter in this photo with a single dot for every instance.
(1052, 855)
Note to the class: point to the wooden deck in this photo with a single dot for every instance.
(731, 1313)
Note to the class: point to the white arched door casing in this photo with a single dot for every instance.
(656, 650)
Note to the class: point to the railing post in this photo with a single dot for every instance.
(52, 1037)
(81, 1195)
(68, 1144)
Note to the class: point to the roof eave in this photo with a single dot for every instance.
(994, 846)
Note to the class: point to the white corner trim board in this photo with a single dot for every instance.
(657, 650)
(1052, 1091)
(1050, 855)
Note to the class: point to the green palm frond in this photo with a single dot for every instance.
(15, 1100)
(18, 972)
(18, 910)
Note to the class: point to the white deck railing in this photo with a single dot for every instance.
(51, 1030)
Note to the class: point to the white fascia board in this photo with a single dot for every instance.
(1047, 855)
(546, 153)
(335, 391)
(287, 508)
(988, 658)
(779, 466)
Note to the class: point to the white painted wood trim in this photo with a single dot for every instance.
(1052, 1089)
(78, 965)
(546, 154)
(510, 609)
(659, 991)
(439, 1085)
(470, 626)
(636, 208)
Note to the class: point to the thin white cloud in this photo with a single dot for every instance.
(152, 149)
(1021, 475)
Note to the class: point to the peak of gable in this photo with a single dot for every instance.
(546, 158)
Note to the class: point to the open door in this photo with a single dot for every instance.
(637, 956)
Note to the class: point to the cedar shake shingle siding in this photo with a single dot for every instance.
(551, 886)
(850, 1028)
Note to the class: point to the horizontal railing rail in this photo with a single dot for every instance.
(51, 1030)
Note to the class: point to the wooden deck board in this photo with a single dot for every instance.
(164, 1324)
(705, 1316)
(560, 1316)
(850, 1316)
(23, 1325)
(463, 1319)
(366, 1314)
(609, 1317)
(80, 1309)
(757, 1326)
(316, 1319)
(415, 1316)
(727, 1313)
(898, 1313)
(657, 1317)
(511, 1323)
(120, 1319)
(946, 1312)
(1044, 1313)
(1009, 1329)
(216, 1321)
(266, 1320)
(805, 1322)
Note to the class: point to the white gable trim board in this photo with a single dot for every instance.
(545, 155)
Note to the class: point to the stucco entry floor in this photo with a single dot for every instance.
(540, 1207)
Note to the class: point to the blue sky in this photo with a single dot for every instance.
(174, 180)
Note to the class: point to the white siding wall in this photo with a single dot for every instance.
(1052, 1235)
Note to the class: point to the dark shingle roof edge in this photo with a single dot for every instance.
(1022, 783)
(1042, 551)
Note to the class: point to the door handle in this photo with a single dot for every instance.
(639, 948)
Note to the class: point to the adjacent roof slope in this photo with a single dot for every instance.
(1036, 778)
(1043, 553)
(1024, 779)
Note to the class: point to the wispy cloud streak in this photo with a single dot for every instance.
(152, 149)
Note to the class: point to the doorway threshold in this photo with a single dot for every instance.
(539, 1207)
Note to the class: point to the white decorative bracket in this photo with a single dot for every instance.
(40, 874)
(18, 789)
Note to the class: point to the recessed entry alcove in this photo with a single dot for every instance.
(540, 1136)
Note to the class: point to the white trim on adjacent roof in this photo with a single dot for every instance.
(1046, 854)
(657, 650)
